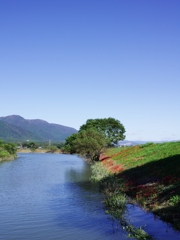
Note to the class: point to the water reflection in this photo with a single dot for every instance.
(49, 196)
(85, 210)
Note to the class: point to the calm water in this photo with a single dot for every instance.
(49, 196)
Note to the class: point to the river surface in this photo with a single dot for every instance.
(50, 197)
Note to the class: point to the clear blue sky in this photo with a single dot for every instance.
(65, 61)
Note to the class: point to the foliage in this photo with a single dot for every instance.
(55, 147)
(10, 148)
(116, 201)
(98, 172)
(4, 154)
(31, 145)
(7, 150)
(94, 136)
(112, 128)
(69, 144)
(90, 143)
(59, 145)
(52, 149)
(174, 200)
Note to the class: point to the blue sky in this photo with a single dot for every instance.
(66, 61)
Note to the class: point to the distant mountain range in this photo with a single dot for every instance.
(15, 128)
(125, 143)
(130, 143)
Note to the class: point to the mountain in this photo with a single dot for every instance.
(16, 128)
(11, 133)
(130, 143)
(125, 143)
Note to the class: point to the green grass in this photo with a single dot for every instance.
(149, 175)
(98, 172)
(152, 177)
(139, 155)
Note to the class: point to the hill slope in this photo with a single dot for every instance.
(16, 128)
(10, 133)
(150, 175)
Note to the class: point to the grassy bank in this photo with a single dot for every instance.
(115, 199)
(150, 175)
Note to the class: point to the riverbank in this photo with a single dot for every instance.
(149, 175)
(38, 150)
(8, 158)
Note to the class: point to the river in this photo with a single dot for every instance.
(50, 197)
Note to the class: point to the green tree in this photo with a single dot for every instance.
(90, 143)
(32, 146)
(7, 150)
(59, 145)
(112, 128)
(94, 136)
(69, 145)
(52, 149)
(10, 148)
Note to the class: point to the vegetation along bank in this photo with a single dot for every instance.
(147, 174)
(7, 151)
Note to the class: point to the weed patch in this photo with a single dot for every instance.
(115, 200)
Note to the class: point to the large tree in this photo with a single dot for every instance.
(90, 143)
(94, 136)
(113, 129)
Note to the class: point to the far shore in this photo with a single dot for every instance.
(39, 150)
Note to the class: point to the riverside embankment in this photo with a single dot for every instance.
(148, 175)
